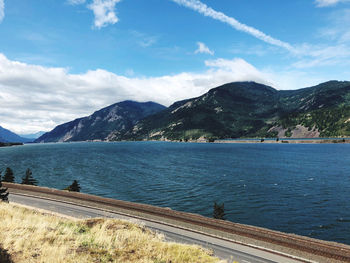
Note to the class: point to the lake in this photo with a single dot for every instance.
(296, 188)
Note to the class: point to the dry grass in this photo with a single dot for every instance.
(33, 236)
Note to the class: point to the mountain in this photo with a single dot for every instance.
(249, 109)
(117, 118)
(33, 135)
(9, 136)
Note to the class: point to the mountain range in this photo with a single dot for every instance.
(233, 110)
(9, 136)
(32, 136)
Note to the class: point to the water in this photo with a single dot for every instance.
(296, 188)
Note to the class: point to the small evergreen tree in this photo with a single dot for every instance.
(28, 178)
(219, 211)
(3, 193)
(74, 187)
(8, 176)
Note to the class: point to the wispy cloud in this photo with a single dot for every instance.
(334, 48)
(338, 25)
(325, 3)
(76, 2)
(205, 10)
(144, 40)
(104, 11)
(2, 10)
(203, 49)
(323, 55)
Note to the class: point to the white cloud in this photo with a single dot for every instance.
(325, 3)
(2, 10)
(104, 11)
(35, 98)
(76, 2)
(203, 49)
(205, 10)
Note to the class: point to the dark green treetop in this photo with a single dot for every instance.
(8, 176)
(28, 178)
(74, 187)
(219, 211)
(3, 193)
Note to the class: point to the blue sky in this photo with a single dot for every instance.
(63, 59)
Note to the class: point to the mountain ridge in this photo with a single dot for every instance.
(250, 109)
(7, 136)
(117, 117)
(233, 110)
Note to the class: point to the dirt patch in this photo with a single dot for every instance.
(298, 131)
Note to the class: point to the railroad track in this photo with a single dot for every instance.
(328, 250)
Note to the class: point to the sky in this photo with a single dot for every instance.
(64, 59)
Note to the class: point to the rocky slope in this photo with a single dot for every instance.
(117, 118)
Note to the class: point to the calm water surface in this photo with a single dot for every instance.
(297, 188)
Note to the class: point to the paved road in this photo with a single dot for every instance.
(222, 249)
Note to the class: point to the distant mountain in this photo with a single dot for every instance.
(33, 135)
(249, 109)
(117, 119)
(9, 136)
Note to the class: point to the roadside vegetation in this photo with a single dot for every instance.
(33, 236)
(28, 178)
(74, 187)
(3, 193)
(219, 211)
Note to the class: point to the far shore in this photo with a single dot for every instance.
(243, 140)
(9, 144)
(287, 140)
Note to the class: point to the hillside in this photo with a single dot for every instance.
(117, 118)
(9, 136)
(249, 109)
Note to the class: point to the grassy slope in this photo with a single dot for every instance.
(32, 236)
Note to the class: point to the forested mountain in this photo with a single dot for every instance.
(249, 109)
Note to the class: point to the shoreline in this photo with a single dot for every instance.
(10, 144)
(221, 141)
(287, 141)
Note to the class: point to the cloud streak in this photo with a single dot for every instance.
(2, 10)
(205, 10)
